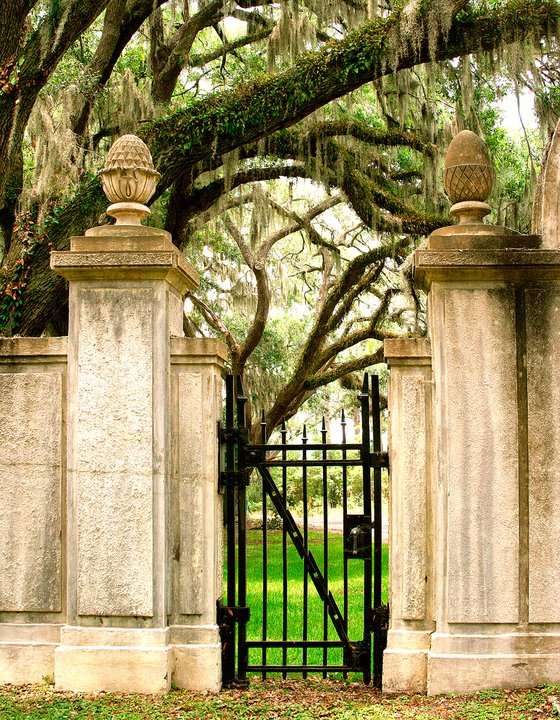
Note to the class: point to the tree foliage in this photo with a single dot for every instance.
(299, 143)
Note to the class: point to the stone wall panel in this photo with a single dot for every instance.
(482, 455)
(114, 451)
(31, 406)
(543, 392)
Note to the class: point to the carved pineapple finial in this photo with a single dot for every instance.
(468, 177)
(129, 180)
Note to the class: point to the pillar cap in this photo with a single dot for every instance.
(407, 351)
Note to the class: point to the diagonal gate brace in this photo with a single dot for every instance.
(308, 558)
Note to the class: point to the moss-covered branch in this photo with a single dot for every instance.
(228, 120)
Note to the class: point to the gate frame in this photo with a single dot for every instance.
(239, 457)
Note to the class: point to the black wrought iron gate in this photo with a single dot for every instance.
(327, 625)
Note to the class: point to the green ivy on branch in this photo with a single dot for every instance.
(14, 280)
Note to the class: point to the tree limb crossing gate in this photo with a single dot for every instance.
(319, 635)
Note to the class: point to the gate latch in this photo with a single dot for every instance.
(357, 536)
(354, 535)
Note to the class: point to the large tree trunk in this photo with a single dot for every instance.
(28, 62)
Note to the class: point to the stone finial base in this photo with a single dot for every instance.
(128, 213)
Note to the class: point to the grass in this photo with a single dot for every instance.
(269, 615)
(266, 700)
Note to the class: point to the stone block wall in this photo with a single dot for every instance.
(33, 379)
(110, 550)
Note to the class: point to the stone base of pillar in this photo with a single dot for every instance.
(113, 660)
(467, 663)
(27, 652)
(405, 661)
(198, 667)
(197, 657)
(136, 660)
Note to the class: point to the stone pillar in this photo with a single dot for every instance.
(196, 521)
(411, 523)
(127, 284)
(494, 319)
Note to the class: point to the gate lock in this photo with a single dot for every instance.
(357, 536)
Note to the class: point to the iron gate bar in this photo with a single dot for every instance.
(344, 514)
(311, 446)
(308, 558)
(283, 435)
(303, 669)
(226, 615)
(264, 553)
(325, 544)
(379, 634)
(310, 463)
(366, 469)
(305, 542)
(242, 658)
(295, 643)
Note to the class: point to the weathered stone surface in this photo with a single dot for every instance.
(198, 667)
(405, 671)
(30, 491)
(517, 642)
(414, 521)
(543, 391)
(30, 350)
(113, 453)
(469, 673)
(479, 393)
(22, 663)
(27, 651)
(411, 519)
(191, 497)
(196, 505)
(132, 265)
(80, 636)
(403, 351)
(511, 265)
(113, 669)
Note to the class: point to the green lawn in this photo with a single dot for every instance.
(273, 617)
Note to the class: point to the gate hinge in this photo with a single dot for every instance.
(380, 618)
(358, 656)
(227, 615)
(233, 478)
(379, 459)
(233, 435)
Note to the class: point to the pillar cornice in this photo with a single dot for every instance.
(509, 265)
(136, 254)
